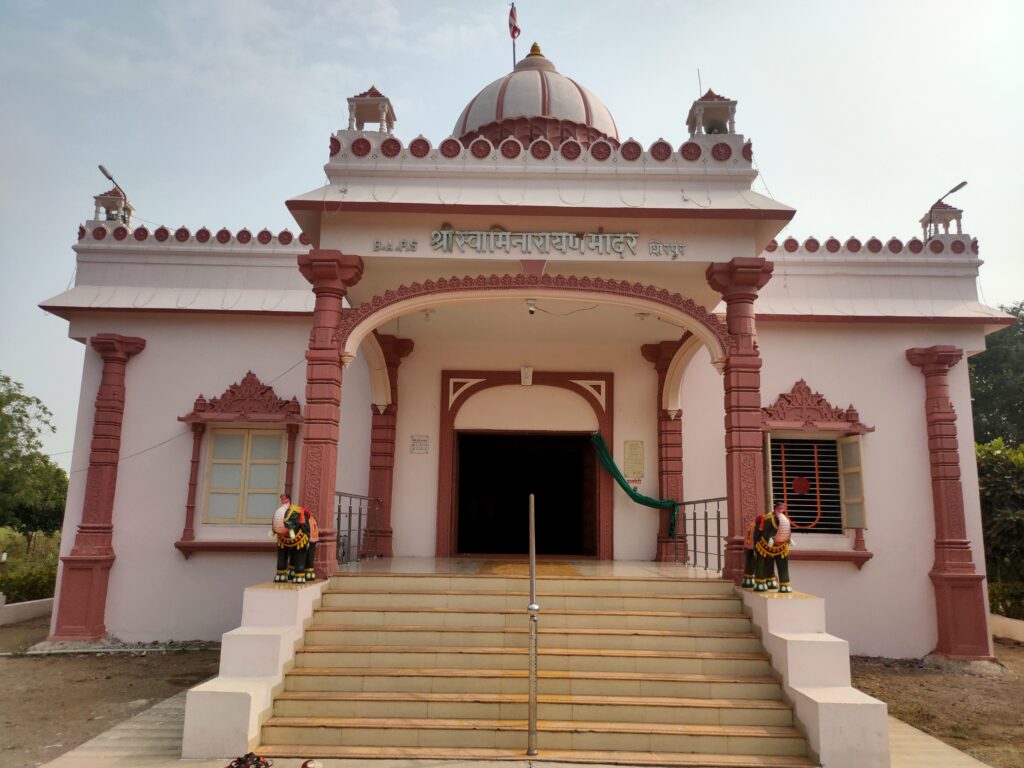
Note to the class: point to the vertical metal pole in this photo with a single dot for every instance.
(348, 535)
(359, 528)
(704, 507)
(338, 555)
(533, 609)
(718, 532)
(691, 539)
(675, 538)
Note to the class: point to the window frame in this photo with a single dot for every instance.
(246, 462)
(788, 434)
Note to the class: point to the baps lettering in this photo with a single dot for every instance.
(394, 245)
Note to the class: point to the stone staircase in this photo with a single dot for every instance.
(645, 671)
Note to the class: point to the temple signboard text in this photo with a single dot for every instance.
(542, 243)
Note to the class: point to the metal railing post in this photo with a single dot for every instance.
(534, 610)
(718, 534)
(338, 553)
(707, 547)
(356, 509)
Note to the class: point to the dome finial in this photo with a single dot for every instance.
(535, 50)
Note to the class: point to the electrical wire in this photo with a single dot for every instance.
(180, 434)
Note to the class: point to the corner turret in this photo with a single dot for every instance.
(712, 114)
(113, 206)
(371, 106)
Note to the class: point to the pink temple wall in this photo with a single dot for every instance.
(155, 593)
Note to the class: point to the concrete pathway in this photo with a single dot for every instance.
(911, 748)
(152, 739)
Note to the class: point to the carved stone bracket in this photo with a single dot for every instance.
(800, 408)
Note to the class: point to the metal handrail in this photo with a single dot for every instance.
(703, 525)
(349, 537)
(533, 609)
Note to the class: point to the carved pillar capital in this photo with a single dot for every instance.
(739, 281)
(394, 348)
(739, 277)
(330, 271)
(936, 360)
(117, 348)
(660, 354)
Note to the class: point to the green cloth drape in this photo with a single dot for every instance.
(605, 457)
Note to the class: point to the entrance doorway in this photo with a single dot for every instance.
(497, 472)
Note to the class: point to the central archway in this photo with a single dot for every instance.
(457, 387)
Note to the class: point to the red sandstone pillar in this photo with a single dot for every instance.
(82, 604)
(959, 599)
(377, 540)
(331, 275)
(670, 454)
(739, 281)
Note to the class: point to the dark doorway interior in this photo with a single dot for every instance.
(497, 471)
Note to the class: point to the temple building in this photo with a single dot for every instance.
(453, 318)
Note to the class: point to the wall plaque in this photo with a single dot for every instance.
(633, 459)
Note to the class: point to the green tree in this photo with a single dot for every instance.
(32, 488)
(1001, 482)
(997, 383)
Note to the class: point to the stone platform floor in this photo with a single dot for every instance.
(152, 739)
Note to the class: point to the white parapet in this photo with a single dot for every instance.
(223, 716)
(845, 728)
(12, 613)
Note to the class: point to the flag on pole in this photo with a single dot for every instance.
(513, 23)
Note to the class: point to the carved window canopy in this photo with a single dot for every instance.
(248, 401)
(801, 409)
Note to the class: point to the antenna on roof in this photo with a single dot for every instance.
(700, 86)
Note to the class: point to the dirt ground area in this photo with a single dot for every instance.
(977, 710)
(51, 704)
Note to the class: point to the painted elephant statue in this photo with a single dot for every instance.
(291, 528)
(772, 540)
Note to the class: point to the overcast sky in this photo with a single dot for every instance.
(213, 112)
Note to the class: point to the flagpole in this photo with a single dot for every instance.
(513, 6)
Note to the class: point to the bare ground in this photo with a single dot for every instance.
(49, 705)
(977, 708)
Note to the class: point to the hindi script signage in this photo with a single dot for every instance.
(542, 243)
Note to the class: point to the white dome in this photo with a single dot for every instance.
(535, 89)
